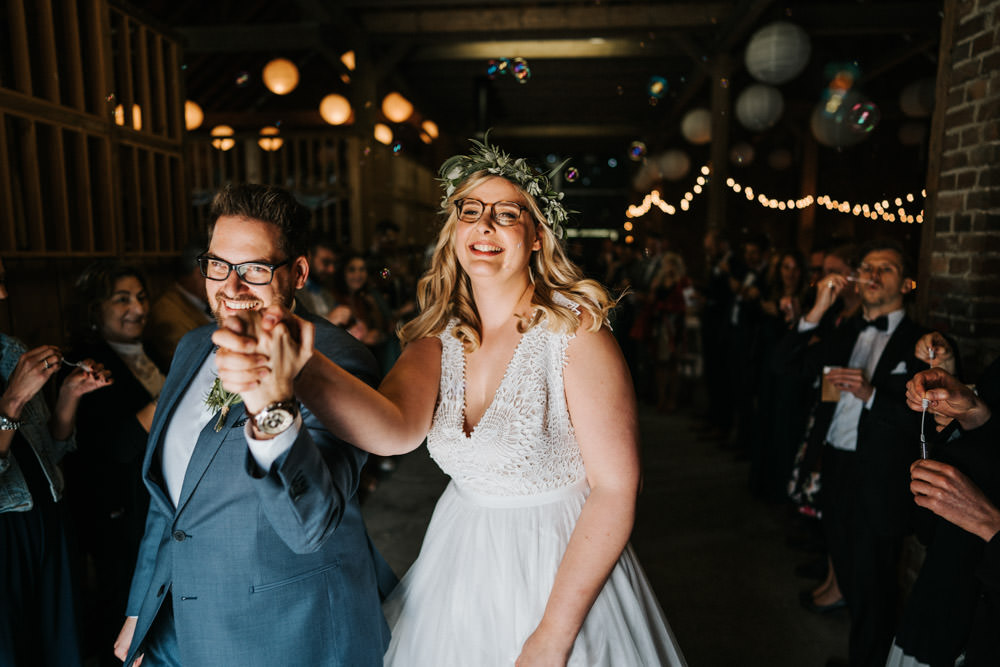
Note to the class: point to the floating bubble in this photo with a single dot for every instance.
(385, 273)
(242, 79)
(397, 148)
(637, 151)
(620, 90)
(571, 174)
(503, 65)
(184, 67)
(278, 123)
(492, 68)
(111, 97)
(863, 117)
(653, 101)
(551, 158)
(367, 150)
(612, 162)
(657, 87)
(519, 68)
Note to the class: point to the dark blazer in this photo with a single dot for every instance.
(264, 567)
(889, 433)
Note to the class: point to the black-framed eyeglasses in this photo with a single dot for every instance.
(252, 273)
(505, 213)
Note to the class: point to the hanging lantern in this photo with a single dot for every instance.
(696, 126)
(193, 115)
(396, 107)
(280, 76)
(136, 116)
(383, 134)
(223, 137)
(335, 109)
(431, 128)
(674, 164)
(269, 139)
(348, 59)
(777, 53)
(759, 107)
(426, 138)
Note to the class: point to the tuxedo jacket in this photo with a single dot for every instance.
(263, 567)
(888, 433)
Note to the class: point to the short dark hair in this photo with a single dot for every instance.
(889, 244)
(266, 203)
(92, 288)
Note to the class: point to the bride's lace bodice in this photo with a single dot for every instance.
(524, 443)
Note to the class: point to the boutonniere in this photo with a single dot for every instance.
(220, 400)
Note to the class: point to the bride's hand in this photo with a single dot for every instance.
(542, 650)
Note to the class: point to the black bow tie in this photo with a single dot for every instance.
(881, 323)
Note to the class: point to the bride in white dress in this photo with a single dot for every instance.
(525, 401)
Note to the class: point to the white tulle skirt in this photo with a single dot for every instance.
(482, 579)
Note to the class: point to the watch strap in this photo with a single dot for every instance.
(9, 423)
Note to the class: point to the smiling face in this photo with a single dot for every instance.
(238, 240)
(355, 274)
(485, 249)
(123, 314)
(791, 272)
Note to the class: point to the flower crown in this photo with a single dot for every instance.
(491, 159)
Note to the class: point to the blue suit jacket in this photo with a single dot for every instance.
(264, 567)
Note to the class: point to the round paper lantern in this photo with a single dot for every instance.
(696, 126)
(431, 128)
(741, 154)
(674, 164)
(383, 134)
(647, 176)
(396, 107)
(917, 99)
(777, 53)
(830, 124)
(280, 76)
(223, 137)
(335, 109)
(269, 139)
(193, 115)
(347, 57)
(759, 107)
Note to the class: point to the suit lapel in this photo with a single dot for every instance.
(182, 370)
(205, 450)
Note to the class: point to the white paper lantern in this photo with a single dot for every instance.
(281, 76)
(741, 154)
(917, 99)
(674, 165)
(396, 107)
(193, 115)
(696, 126)
(830, 124)
(383, 134)
(759, 107)
(777, 53)
(335, 109)
(647, 176)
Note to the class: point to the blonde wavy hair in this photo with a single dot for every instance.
(444, 292)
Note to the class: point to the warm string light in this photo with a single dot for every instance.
(895, 212)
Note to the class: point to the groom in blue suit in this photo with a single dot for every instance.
(255, 552)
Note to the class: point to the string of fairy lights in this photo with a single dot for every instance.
(894, 211)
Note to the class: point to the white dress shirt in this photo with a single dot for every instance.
(868, 348)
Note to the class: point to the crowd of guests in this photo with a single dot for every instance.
(813, 372)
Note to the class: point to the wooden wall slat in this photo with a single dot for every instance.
(126, 92)
(134, 217)
(150, 204)
(83, 195)
(34, 211)
(8, 240)
(19, 46)
(159, 123)
(175, 92)
(58, 214)
(74, 55)
(47, 47)
(143, 73)
(100, 70)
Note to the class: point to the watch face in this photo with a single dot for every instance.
(275, 420)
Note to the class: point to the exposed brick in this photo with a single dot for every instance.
(991, 131)
(954, 160)
(982, 43)
(984, 199)
(966, 179)
(963, 223)
(977, 242)
(965, 71)
(986, 328)
(971, 136)
(985, 309)
(970, 27)
(961, 52)
(939, 264)
(985, 155)
(991, 63)
(989, 176)
(989, 110)
(956, 96)
(951, 202)
(986, 222)
(942, 224)
(976, 90)
(985, 266)
(952, 140)
(958, 265)
(947, 182)
(959, 117)
(955, 306)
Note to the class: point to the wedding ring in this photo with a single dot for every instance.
(45, 363)
(829, 283)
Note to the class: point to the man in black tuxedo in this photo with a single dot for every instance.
(871, 437)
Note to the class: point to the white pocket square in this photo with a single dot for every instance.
(900, 369)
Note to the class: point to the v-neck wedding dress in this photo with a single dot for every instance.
(499, 531)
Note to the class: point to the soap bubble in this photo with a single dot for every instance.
(492, 68)
(385, 273)
(397, 148)
(637, 151)
(571, 174)
(657, 87)
(242, 79)
(863, 117)
(519, 68)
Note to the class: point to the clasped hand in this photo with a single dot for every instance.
(851, 380)
(947, 398)
(260, 353)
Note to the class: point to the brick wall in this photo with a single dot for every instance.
(960, 258)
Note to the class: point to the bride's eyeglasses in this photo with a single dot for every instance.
(505, 213)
